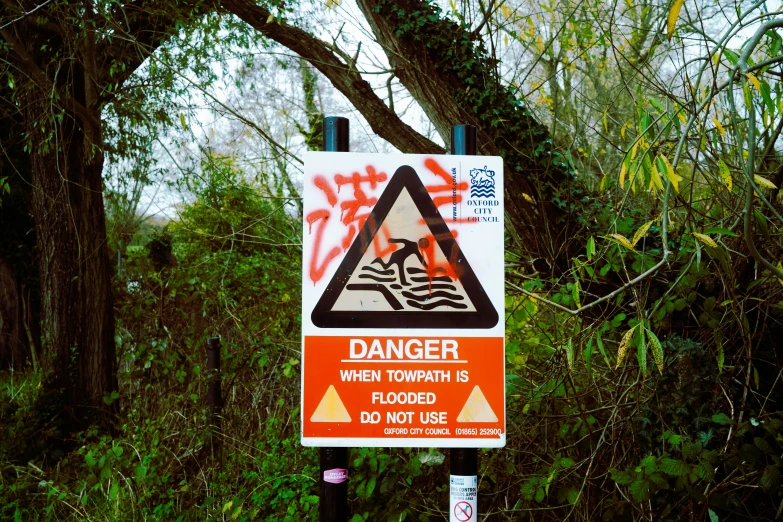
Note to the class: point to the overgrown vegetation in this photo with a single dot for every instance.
(642, 143)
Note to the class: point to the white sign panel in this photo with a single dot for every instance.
(403, 301)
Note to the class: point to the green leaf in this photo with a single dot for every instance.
(575, 293)
(370, 487)
(761, 444)
(566, 462)
(570, 354)
(770, 480)
(766, 96)
(641, 352)
(731, 56)
(113, 491)
(572, 495)
(749, 454)
(588, 355)
(721, 418)
(601, 349)
(674, 467)
(704, 471)
(432, 457)
(640, 490)
(713, 516)
(89, 459)
(140, 471)
(722, 231)
(691, 450)
(623, 478)
(590, 248)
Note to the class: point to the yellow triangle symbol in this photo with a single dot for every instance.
(331, 408)
(477, 409)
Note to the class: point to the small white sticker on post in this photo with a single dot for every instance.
(463, 491)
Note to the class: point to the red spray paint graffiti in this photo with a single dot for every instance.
(354, 221)
(348, 213)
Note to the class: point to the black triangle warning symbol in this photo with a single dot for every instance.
(425, 281)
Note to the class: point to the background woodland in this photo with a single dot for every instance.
(150, 181)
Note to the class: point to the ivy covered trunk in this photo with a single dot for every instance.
(450, 74)
(66, 158)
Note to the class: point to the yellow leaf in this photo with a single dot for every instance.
(623, 348)
(719, 127)
(754, 81)
(183, 122)
(271, 17)
(725, 174)
(540, 44)
(641, 232)
(780, 267)
(674, 13)
(707, 240)
(763, 182)
(657, 349)
(672, 176)
(602, 186)
(528, 198)
(505, 40)
(620, 240)
(228, 505)
(623, 171)
(236, 513)
(655, 176)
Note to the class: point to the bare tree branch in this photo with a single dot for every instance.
(382, 119)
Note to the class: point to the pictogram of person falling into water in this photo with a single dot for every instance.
(398, 257)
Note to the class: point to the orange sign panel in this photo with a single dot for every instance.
(403, 301)
(414, 387)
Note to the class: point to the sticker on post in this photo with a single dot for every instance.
(335, 476)
(463, 491)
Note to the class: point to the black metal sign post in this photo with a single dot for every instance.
(333, 504)
(463, 462)
(214, 397)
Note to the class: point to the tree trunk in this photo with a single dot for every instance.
(76, 294)
(13, 341)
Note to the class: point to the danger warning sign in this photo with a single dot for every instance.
(403, 301)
